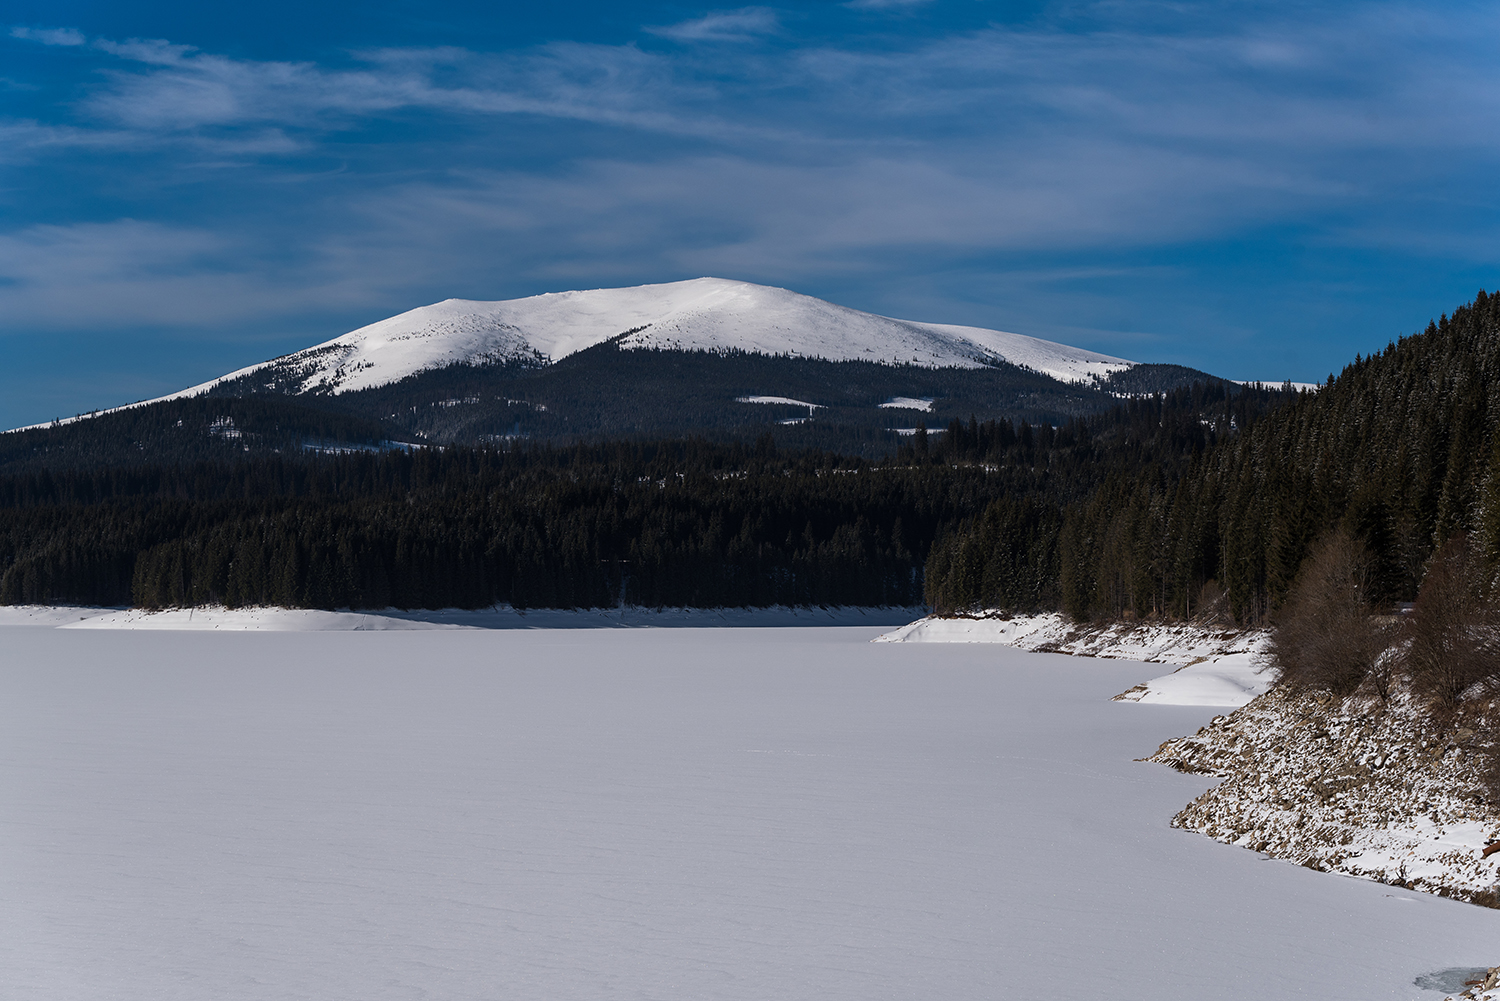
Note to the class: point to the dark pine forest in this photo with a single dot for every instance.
(665, 523)
(1398, 453)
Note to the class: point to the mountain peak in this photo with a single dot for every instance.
(701, 314)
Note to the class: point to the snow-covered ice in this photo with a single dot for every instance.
(663, 813)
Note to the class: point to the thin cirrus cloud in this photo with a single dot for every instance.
(743, 25)
(724, 143)
(180, 89)
(884, 4)
(49, 36)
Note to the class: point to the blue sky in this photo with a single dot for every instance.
(1256, 189)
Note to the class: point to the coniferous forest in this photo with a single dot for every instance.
(648, 523)
(1204, 495)
(1398, 452)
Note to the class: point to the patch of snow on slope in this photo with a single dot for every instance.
(907, 403)
(779, 399)
(1219, 667)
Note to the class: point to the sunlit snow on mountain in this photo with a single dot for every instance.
(705, 314)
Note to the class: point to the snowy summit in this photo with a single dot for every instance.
(704, 314)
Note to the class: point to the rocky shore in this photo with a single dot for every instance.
(1377, 791)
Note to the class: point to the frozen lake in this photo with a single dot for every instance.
(656, 813)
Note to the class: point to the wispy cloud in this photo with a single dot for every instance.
(725, 144)
(743, 25)
(884, 4)
(49, 36)
(155, 51)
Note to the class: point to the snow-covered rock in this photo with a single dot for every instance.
(1487, 989)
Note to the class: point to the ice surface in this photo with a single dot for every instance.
(687, 813)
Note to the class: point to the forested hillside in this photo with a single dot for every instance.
(1398, 451)
(600, 394)
(649, 523)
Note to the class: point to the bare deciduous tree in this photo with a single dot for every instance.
(1326, 635)
(1455, 626)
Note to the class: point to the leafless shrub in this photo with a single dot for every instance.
(1486, 898)
(1455, 627)
(1326, 636)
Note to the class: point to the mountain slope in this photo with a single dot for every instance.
(705, 314)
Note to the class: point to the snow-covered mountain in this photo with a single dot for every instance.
(705, 314)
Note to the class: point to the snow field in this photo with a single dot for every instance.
(907, 403)
(685, 813)
(779, 399)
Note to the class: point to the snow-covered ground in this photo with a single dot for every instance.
(1217, 667)
(261, 619)
(908, 403)
(779, 399)
(668, 813)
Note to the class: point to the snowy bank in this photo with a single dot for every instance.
(1218, 667)
(264, 619)
(1340, 785)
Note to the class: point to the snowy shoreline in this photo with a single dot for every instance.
(1334, 785)
(1340, 785)
(272, 619)
(1215, 667)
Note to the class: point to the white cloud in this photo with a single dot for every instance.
(155, 51)
(131, 274)
(742, 25)
(49, 36)
(779, 166)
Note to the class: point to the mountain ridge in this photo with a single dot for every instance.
(716, 315)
